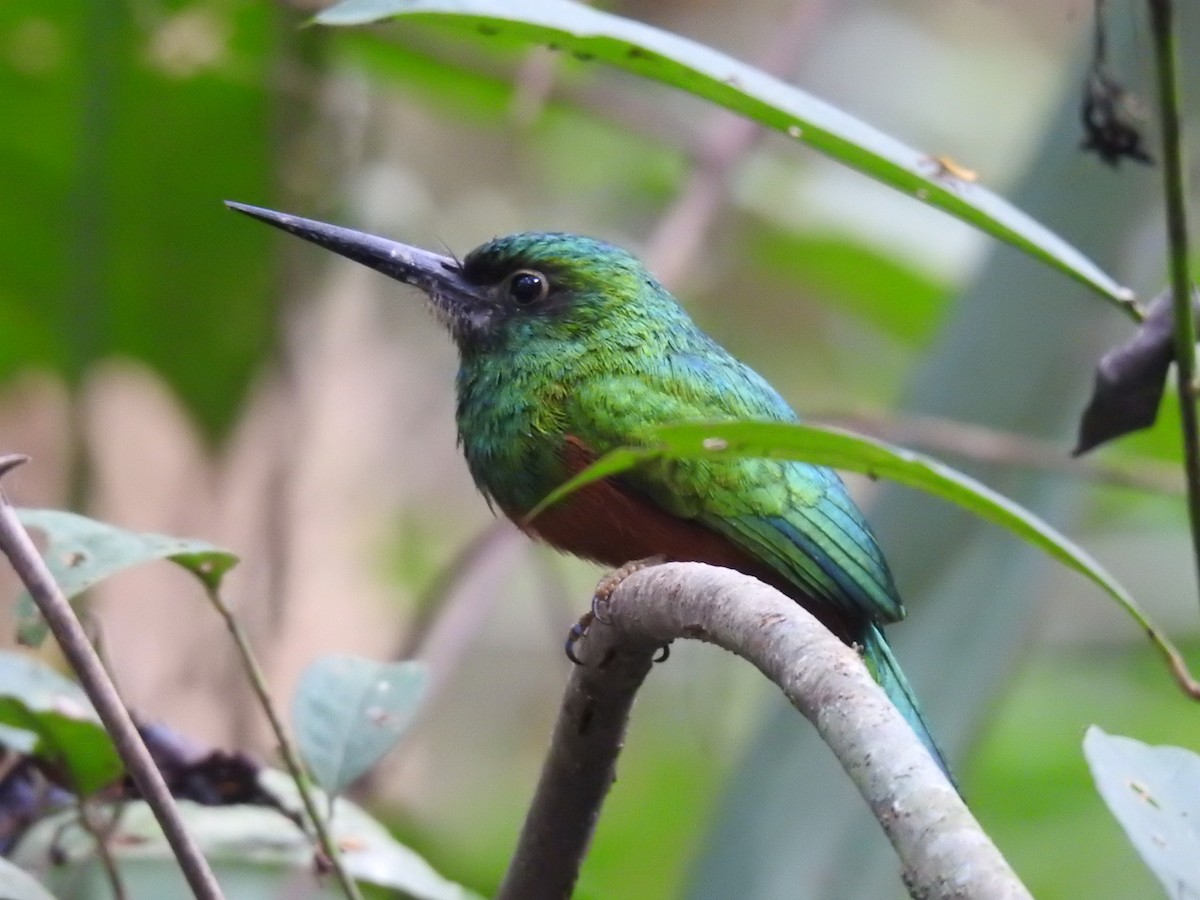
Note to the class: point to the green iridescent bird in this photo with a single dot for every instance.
(569, 348)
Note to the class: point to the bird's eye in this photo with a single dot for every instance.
(526, 286)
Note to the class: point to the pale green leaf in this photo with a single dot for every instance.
(349, 711)
(1154, 792)
(82, 552)
(17, 884)
(237, 839)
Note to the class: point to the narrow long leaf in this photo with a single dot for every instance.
(677, 61)
(842, 450)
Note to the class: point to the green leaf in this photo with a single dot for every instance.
(17, 884)
(118, 154)
(1154, 792)
(349, 711)
(237, 839)
(83, 552)
(851, 277)
(842, 450)
(673, 60)
(67, 734)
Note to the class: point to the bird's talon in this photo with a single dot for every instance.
(664, 652)
(599, 605)
(578, 630)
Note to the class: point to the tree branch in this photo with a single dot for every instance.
(943, 851)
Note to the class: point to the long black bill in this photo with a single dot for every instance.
(435, 274)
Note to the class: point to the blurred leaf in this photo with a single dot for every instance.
(853, 278)
(674, 60)
(17, 884)
(1154, 792)
(234, 838)
(134, 122)
(1037, 799)
(69, 737)
(83, 552)
(349, 711)
(481, 97)
(838, 449)
(1130, 380)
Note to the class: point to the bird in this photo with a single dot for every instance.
(570, 348)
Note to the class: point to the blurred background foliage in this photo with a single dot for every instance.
(174, 368)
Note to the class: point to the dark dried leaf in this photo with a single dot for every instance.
(1130, 380)
(205, 775)
(1110, 128)
(26, 796)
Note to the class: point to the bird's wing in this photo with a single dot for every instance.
(796, 518)
(818, 540)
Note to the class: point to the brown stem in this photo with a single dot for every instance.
(287, 750)
(1006, 448)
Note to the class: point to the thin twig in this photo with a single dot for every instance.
(534, 81)
(21, 552)
(943, 851)
(1005, 448)
(443, 591)
(291, 758)
(1167, 69)
(726, 139)
(100, 834)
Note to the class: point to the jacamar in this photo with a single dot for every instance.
(570, 348)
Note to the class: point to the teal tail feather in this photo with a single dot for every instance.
(885, 670)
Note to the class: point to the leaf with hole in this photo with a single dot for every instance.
(591, 34)
(349, 711)
(1154, 792)
(37, 702)
(82, 552)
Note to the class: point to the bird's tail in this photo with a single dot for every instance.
(884, 668)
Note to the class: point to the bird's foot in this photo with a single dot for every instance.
(604, 590)
(610, 582)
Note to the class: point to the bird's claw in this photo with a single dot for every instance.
(664, 652)
(578, 630)
(612, 581)
(598, 612)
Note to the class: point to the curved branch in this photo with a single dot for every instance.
(943, 851)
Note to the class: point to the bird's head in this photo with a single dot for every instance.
(511, 290)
